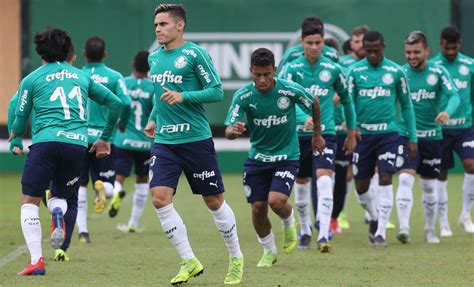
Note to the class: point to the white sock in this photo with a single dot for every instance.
(289, 221)
(430, 202)
(302, 203)
(374, 189)
(384, 208)
(117, 188)
(225, 221)
(140, 197)
(348, 192)
(31, 227)
(268, 243)
(405, 199)
(109, 189)
(81, 219)
(175, 230)
(467, 194)
(366, 201)
(325, 204)
(442, 190)
(55, 202)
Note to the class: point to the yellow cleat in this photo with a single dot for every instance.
(99, 201)
(290, 238)
(60, 255)
(189, 268)
(267, 260)
(235, 271)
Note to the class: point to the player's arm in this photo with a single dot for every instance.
(23, 109)
(121, 92)
(235, 126)
(449, 90)
(349, 112)
(408, 114)
(150, 127)
(16, 145)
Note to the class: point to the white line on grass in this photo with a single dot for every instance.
(13, 255)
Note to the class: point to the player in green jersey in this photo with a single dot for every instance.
(296, 51)
(376, 84)
(322, 78)
(270, 170)
(343, 178)
(458, 133)
(428, 82)
(57, 92)
(133, 146)
(185, 79)
(102, 171)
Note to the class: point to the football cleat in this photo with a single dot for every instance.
(34, 269)
(268, 259)
(390, 225)
(335, 228)
(324, 246)
(403, 236)
(189, 268)
(84, 237)
(379, 241)
(290, 239)
(373, 225)
(430, 236)
(466, 223)
(60, 255)
(446, 231)
(305, 242)
(115, 203)
(342, 220)
(235, 271)
(58, 228)
(99, 201)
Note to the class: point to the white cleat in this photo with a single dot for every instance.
(446, 231)
(466, 223)
(430, 236)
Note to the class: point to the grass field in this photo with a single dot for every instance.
(148, 259)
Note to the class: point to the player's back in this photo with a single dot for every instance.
(59, 94)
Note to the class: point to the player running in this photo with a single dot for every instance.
(133, 147)
(58, 94)
(376, 84)
(184, 79)
(102, 171)
(322, 78)
(458, 133)
(428, 82)
(269, 172)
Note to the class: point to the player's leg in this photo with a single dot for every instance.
(343, 220)
(303, 192)
(363, 167)
(103, 178)
(386, 156)
(280, 190)
(123, 166)
(199, 163)
(447, 162)
(324, 166)
(341, 163)
(404, 197)
(429, 165)
(81, 218)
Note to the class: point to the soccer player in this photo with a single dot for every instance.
(343, 177)
(57, 92)
(428, 82)
(322, 78)
(296, 51)
(376, 84)
(133, 146)
(184, 79)
(269, 172)
(458, 133)
(101, 170)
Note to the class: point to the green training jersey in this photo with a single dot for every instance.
(113, 81)
(461, 71)
(426, 89)
(347, 60)
(57, 93)
(296, 51)
(141, 92)
(271, 119)
(322, 79)
(375, 91)
(190, 71)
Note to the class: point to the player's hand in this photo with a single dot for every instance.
(171, 97)
(150, 129)
(442, 118)
(412, 149)
(350, 142)
(238, 128)
(308, 124)
(101, 148)
(336, 99)
(16, 146)
(318, 144)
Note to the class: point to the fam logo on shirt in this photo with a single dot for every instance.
(387, 79)
(180, 62)
(283, 103)
(432, 79)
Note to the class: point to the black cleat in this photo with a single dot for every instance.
(373, 224)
